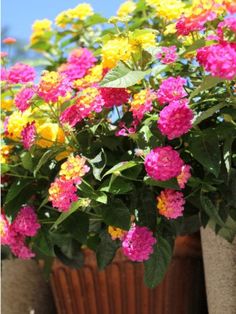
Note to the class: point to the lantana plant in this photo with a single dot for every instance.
(126, 138)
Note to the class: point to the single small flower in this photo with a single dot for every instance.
(137, 243)
(175, 119)
(116, 233)
(171, 89)
(26, 222)
(74, 169)
(170, 203)
(184, 176)
(62, 194)
(163, 163)
(23, 98)
(28, 134)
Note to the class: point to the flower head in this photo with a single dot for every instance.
(126, 8)
(184, 176)
(175, 119)
(115, 50)
(167, 55)
(49, 133)
(171, 89)
(73, 169)
(28, 134)
(52, 86)
(9, 40)
(163, 163)
(23, 98)
(15, 123)
(142, 103)
(137, 243)
(114, 96)
(21, 73)
(62, 194)
(169, 9)
(26, 222)
(116, 233)
(219, 60)
(170, 203)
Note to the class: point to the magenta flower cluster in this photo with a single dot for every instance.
(137, 243)
(114, 96)
(20, 73)
(171, 89)
(23, 97)
(167, 55)
(28, 135)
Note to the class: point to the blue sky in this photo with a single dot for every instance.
(18, 15)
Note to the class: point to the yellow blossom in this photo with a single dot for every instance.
(4, 153)
(115, 50)
(16, 122)
(40, 29)
(74, 168)
(126, 8)
(49, 133)
(170, 29)
(116, 233)
(94, 76)
(141, 39)
(7, 104)
(168, 9)
(82, 11)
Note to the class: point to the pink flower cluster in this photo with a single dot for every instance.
(175, 119)
(114, 96)
(20, 73)
(79, 62)
(219, 60)
(163, 163)
(88, 101)
(28, 134)
(170, 203)
(25, 225)
(137, 243)
(167, 55)
(171, 89)
(23, 98)
(62, 193)
(52, 86)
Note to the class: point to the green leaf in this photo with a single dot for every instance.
(89, 192)
(116, 214)
(45, 157)
(122, 77)
(170, 184)
(208, 113)
(146, 205)
(227, 153)
(95, 19)
(156, 267)
(65, 215)
(16, 188)
(105, 250)
(77, 224)
(211, 210)
(116, 185)
(207, 83)
(196, 45)
(122, 166)
(98, 163)
(70, 255)
(4, 168)
(204, 147)
(27, 161)
(42, 243)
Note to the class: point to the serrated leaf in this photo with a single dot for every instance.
(122, 77)
(170, 184)
(122, 166)
(207, 83)
(156, 267)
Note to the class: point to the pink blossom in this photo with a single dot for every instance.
(227, 29)
(62, 194)
(142, 103)
(21, 73)
(175, 119)
(137, 243)
(3, 74)
(170, 203)
(171, 89)
(23, 98)
(26, 222)
(28, 134)
(167, 55)
(126, 131)
(184, 176)
(219, 60)
(163, 163)
(18, 246)
(114, 96)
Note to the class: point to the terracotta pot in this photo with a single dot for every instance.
(119, 289)
(24, 289)
(220, 272)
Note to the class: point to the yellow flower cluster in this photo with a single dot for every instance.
(48, 134)
(6, 104)
(141, 39)
(116, 233)
(73, 169)
(40, 28)
(87, 96)
(81, 12)
(16, 122)
(126, 8)
(4, 153)
(168, 9)
(94, 76)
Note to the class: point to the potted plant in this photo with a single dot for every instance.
(127, 138)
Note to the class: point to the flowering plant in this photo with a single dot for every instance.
(127, 137)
